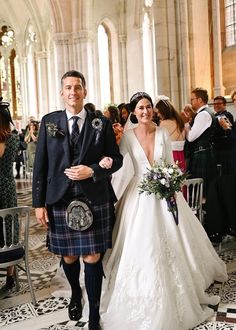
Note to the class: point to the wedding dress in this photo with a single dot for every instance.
(157, 272)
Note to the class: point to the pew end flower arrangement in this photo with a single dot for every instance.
(164, 180)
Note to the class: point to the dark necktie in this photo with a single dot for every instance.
(75, 130)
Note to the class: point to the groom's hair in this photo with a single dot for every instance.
(73, 73)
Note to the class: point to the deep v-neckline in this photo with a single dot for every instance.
(154, 146)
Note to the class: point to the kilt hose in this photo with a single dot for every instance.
(202, 164)
(64, 241)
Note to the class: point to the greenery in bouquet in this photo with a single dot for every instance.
(163, 180)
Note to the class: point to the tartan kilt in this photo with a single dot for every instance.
(203, 165)
(64, 241)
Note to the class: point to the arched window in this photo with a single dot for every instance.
(9, 71)
(104, 65)
(230, 22)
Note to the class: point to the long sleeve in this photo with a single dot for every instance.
(201, 123)
(121, 178)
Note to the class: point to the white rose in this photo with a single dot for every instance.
(163, 181)
(165, 170)
(171, 171)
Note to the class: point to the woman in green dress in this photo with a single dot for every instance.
(8, 148)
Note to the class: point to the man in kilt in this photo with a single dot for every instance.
(70, 145)
(200, 133)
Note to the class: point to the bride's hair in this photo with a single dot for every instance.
(137, 97)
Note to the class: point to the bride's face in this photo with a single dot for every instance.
(144, 111)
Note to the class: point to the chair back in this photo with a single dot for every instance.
(14, 223)
(14, 235)
(194, 194)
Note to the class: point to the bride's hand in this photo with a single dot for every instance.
(106, 162)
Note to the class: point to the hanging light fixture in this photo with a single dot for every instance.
(6, 36)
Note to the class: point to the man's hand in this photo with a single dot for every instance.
(225, 123)
(42, 216)
(78, 172)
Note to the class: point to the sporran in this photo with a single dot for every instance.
(78, 215)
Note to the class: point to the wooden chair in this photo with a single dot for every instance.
(14, 250)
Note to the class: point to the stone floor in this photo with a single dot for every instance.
(17, 311)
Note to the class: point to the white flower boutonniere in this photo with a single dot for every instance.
(53, 130)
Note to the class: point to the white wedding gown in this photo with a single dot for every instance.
(157, 272)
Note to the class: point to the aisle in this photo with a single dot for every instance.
(17, 312)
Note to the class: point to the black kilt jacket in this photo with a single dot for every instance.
(53, 156)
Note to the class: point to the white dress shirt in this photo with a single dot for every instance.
(82, 116)
(202, 121)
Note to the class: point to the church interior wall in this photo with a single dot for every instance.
(66, 38)
(229, 67)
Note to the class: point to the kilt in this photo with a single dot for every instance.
(202, 164)
(65, 241)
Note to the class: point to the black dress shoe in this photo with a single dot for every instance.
(93, 326)
(75, 310)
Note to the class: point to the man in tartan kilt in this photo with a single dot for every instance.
(200, 133)
(70, 145)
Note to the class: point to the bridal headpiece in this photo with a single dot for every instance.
(163, 98)
(137, 97)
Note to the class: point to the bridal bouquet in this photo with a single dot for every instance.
(164, 180)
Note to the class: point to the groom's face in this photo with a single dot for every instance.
(73, 93)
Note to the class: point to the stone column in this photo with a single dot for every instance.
(24, 88)
(183, 52)
(42, 74)
(63, 51)
(13, 83)
(85, 61)
(124, 81)
(219, 89)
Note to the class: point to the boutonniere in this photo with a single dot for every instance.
(53, 130)
(97, 125)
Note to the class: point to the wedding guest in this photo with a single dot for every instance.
(155, 265)
(222, 142)
(221, 207)
(112, 113)
(187, 114)
(172, 121)
(90, 106)
(124, 113)
(199, 133)
(70, 145)
(31, 137)
(19, 161)
(9, 143)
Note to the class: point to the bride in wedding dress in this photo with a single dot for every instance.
(157, 271)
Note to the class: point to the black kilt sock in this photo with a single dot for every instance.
(72, 272)
(93, 284)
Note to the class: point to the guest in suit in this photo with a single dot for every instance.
(222, 142)
(70, 145)
(221, 207)
(199, 133)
